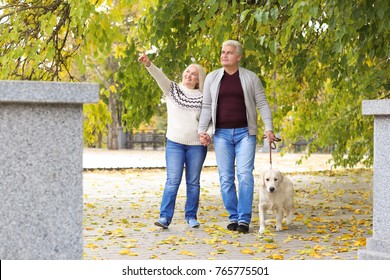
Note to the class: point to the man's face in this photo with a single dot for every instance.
(229, 56)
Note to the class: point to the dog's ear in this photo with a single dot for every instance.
(261, 178)
(281, 176)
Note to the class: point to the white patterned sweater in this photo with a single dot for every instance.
(183, 106)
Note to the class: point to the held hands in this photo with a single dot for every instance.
(204, 138)
(144, 59)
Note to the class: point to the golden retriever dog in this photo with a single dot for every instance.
(276, 193)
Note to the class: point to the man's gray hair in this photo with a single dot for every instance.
(235, 44)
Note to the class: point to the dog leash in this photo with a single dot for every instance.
(272, 146)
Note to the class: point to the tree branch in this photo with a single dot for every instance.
(48, 8)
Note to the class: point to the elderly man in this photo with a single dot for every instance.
(230, 97)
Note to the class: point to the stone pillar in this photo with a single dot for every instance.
(41, 147)
(378, 246)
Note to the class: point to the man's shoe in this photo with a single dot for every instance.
(193, 223)
(232, 225)
(162, 222)
(243, 228)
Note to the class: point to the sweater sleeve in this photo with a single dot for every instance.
(262, 105)
(162, 80)
(205, 114)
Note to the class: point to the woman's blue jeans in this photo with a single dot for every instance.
(177, 157)
(236, 147)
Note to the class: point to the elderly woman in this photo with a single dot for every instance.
(183, 148)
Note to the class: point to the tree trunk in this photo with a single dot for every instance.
(112, 143)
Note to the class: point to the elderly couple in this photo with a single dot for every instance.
(221, 105)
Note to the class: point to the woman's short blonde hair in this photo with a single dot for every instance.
(201, 76)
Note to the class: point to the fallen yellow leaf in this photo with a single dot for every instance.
(91, 245)
(269, 240)
(277, 257)
(247, 251)
(187, 253)
(271, 246)
(321, 231)
(221, 251)
(358, 211)
(124, 252)
(318, 247)
(360, 242)
(345, 237)
(315, 255)
(299, 217)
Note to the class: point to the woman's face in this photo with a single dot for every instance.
(191, 77)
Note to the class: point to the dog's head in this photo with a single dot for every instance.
(271, 180)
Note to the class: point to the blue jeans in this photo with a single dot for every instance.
(236, 146)
(177, 157)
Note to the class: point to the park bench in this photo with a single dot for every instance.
(299, 146)
(145, 139)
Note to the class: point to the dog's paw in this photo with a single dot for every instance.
(289, 217)
(279, 228)
(261, 230)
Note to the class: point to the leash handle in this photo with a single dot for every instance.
(272, 146)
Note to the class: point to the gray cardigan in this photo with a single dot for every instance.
(254, 97)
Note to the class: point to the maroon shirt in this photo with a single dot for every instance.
(231, 110)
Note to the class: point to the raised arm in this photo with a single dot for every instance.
(162, 80)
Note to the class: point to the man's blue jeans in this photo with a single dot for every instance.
(236, 146)
(177, 157)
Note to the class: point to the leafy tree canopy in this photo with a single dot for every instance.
(317, 59)
(68, 40)
(49, 39)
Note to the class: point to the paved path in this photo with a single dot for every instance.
(122, 193)
(120, 159)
